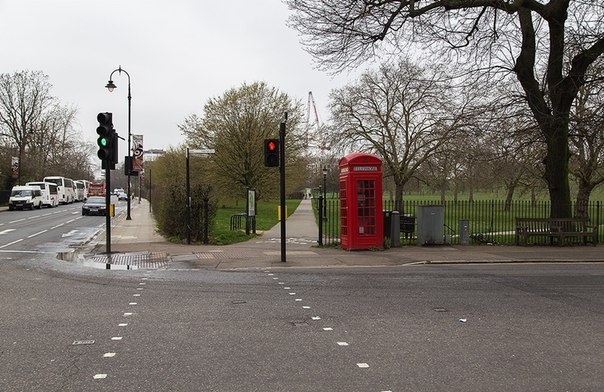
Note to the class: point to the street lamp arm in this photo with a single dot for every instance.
(110, 85)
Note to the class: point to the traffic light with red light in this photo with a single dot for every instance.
(271, 152)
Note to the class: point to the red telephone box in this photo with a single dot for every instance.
(361, 220)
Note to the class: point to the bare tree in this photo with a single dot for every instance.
(587, 137)
(24, 100)
(401, 112)
(40, 129)
(549, 46)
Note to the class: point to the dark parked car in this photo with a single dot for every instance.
(95, 205)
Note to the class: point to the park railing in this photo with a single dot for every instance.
(489, 221)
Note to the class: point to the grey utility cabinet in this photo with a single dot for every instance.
(430, 225)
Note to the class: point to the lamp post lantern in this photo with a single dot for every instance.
(111, 86)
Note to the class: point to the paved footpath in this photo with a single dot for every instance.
(136, 242)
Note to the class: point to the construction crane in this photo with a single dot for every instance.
(317, 133)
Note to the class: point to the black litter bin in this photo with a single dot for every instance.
(387, 223)
(407, 224)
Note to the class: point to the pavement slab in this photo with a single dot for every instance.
(137, 241)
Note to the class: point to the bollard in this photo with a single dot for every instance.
(395, 229)
(464, 232)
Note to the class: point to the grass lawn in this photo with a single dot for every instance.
(266, 217)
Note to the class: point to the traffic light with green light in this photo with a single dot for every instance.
(107, 138)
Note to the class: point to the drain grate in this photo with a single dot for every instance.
(149, 260)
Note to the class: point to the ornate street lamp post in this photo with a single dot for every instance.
(111, 86)
(324, 192)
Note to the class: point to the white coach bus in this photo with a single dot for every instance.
(65, 191)
(50, 196)
(80, 190)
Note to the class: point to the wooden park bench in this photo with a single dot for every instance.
(556, 228)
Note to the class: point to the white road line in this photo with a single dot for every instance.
(99, 376)
(11, 243)
(327, 329)
(59, 225)
(132, 303)
(38, 233)
(122, 325)
(24, 251)
(342, 344)
(363, 365)
(116, 338)
(18, 220)
(108, 355)
(69, 234)
(6, 231)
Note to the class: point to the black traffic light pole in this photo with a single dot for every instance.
(282, 185)
(107, 208)
(188, 190)
(107, 142)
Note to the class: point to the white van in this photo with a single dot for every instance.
(25, 196)
(50, 195)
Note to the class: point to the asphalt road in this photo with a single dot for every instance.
(416, 328)
(47, 230)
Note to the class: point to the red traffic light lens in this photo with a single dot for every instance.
(272, 146)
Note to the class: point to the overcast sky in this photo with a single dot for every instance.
(179, 53)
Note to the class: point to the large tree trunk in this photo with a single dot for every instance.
(582, 202)
(553, 121)
(511, 188)
(556, 173)
(398, 198)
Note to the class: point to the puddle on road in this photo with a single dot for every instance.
(71, 256)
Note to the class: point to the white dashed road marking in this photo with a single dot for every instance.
(360, 365)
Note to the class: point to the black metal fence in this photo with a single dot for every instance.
(489, 221)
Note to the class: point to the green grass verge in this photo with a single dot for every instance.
(266, 218)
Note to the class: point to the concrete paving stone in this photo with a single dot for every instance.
(140, 235)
